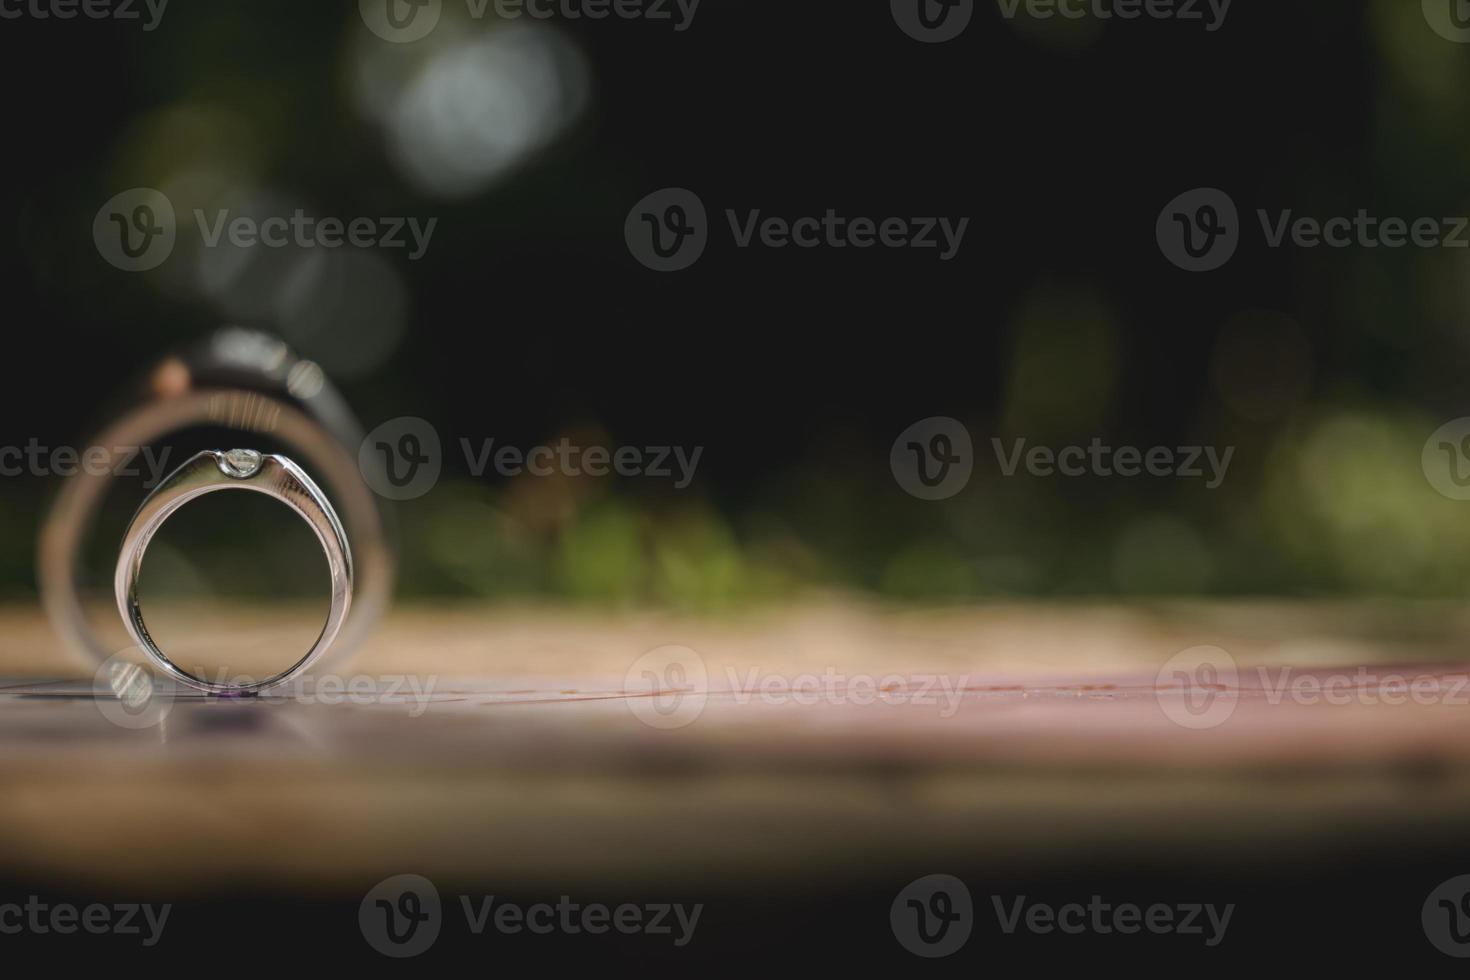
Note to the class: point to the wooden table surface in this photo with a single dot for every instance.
(534, 756)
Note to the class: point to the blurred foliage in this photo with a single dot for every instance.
(1325, 493)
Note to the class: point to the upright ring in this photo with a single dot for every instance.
(255, 386)
(238, 469)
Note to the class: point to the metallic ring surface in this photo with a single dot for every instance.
(238, 469)
(243, 381)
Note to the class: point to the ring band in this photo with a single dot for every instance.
(238, 469)
(255, 386)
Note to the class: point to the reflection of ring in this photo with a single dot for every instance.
(238, 469)
(256, 387)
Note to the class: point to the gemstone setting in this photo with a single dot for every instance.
(239, 463)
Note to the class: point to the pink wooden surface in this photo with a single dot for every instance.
(1002, 733)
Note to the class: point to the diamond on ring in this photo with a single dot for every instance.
(239, 462)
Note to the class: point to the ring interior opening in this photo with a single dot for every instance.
(235, 587)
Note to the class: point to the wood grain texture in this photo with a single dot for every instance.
(531, 758)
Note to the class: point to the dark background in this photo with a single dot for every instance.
(1058, 321)
(1328, 909)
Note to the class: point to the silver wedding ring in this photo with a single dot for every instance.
(261, 392)
(237, 469)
